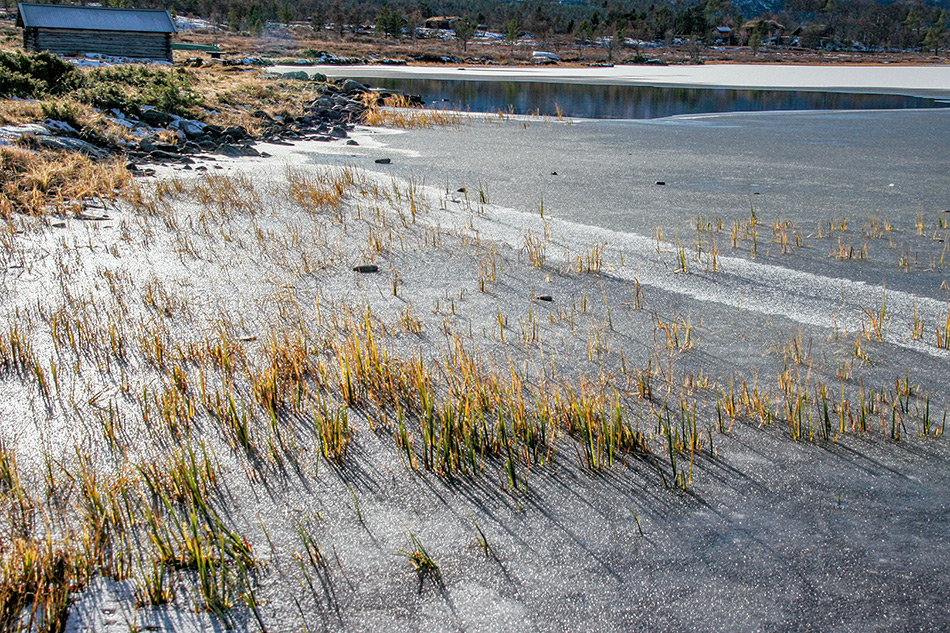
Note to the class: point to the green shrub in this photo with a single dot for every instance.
(14, 84)
(63, 110)
(127, 88)
(30, 75)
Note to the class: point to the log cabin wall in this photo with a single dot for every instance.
(114, 43)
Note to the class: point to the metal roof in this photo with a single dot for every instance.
(60, 16)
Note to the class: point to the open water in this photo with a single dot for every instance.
(632, 102)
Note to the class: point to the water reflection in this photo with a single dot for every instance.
(632, 102)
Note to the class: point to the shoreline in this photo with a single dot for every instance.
(920, 81)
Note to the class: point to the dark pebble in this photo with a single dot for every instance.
(383, 161)
(545, 298)
(660, 182)
(366, 268)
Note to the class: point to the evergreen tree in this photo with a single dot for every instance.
(390, 23)
(464, 31)
(936, 34)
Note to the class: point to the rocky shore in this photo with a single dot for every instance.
(165, 138)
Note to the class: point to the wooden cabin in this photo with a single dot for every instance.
(74, 30)
(445, 22)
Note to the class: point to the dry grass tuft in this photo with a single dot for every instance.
(397, 111)
(37, 183)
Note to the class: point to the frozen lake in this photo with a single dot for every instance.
(603, 101)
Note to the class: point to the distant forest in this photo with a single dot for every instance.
(905, 24)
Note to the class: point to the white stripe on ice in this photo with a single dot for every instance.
(914, 80)
(799, 296)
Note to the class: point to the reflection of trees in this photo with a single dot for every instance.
(632, 102)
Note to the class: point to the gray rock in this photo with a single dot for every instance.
(155, 118)
(163, 156)
(235, 132)
(60, 128)
(351, 85)
(229, 150)
(190, 128)
(16, 131)
(237, 150)
(318, 77)
(338, 131)
(67, 144)
(296, 74)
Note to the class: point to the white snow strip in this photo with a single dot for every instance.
(912, 80)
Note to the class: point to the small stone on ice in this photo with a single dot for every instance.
(366, 268)
(660, 182)
(383, 161)
(545, 298)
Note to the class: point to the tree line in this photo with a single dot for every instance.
(905, 24)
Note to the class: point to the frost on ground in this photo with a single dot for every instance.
(509, 422)
(110, 606)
